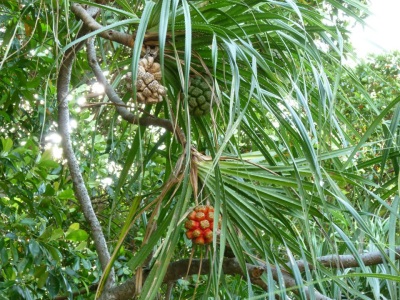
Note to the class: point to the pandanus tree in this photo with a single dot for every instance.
(232, 171)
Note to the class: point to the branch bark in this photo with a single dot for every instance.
(88, 17)
(90, 23)
(150, 38)
(348, 261)
(120, 105)
(81, 193)
(181, 268)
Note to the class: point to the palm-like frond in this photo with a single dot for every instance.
(276, 156)
(273, 94)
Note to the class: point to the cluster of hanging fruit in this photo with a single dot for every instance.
(200, 224)
(200, 96)
(149, 89)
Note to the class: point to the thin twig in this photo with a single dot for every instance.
(91, 288)
(94, 95)
(170, 288)
(92, 104)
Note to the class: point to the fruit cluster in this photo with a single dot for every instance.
(200, 97)
(200, 224)
(149, 88)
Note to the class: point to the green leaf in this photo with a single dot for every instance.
(54, 252)
(56, 234)
(371, 129)
(77, 235)
(34, 248)
(66, 194)
(52, 285)
(7, 145)
(81, 246)
(127, 8)
(46, 160)
(42, 279)
(28, 221)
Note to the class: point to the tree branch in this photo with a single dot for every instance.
(150, 38)
(187, 267)
(180, 268)
(120, 105)
(184, 267)
(90, 22)
(91, 288)
(349, 261)
(81, 193)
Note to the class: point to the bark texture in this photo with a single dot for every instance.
(146, 120)
(181, 268)
(81, 193)
(112, 35)
(185, 267)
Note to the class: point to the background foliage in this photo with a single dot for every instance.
(299, 154)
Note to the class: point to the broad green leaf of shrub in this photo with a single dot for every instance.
(7, 144)
(77, 235)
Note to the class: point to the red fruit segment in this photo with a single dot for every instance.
(192, 215)
(199, 240)
(201, 208)
(208, 241)
(200, 216)
(208, 234)
(197, 232)
(191, 224)
(204, 224)
(189, 234)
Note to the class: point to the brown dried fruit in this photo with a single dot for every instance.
(148, 86)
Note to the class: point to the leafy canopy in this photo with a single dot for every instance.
(285, 155)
